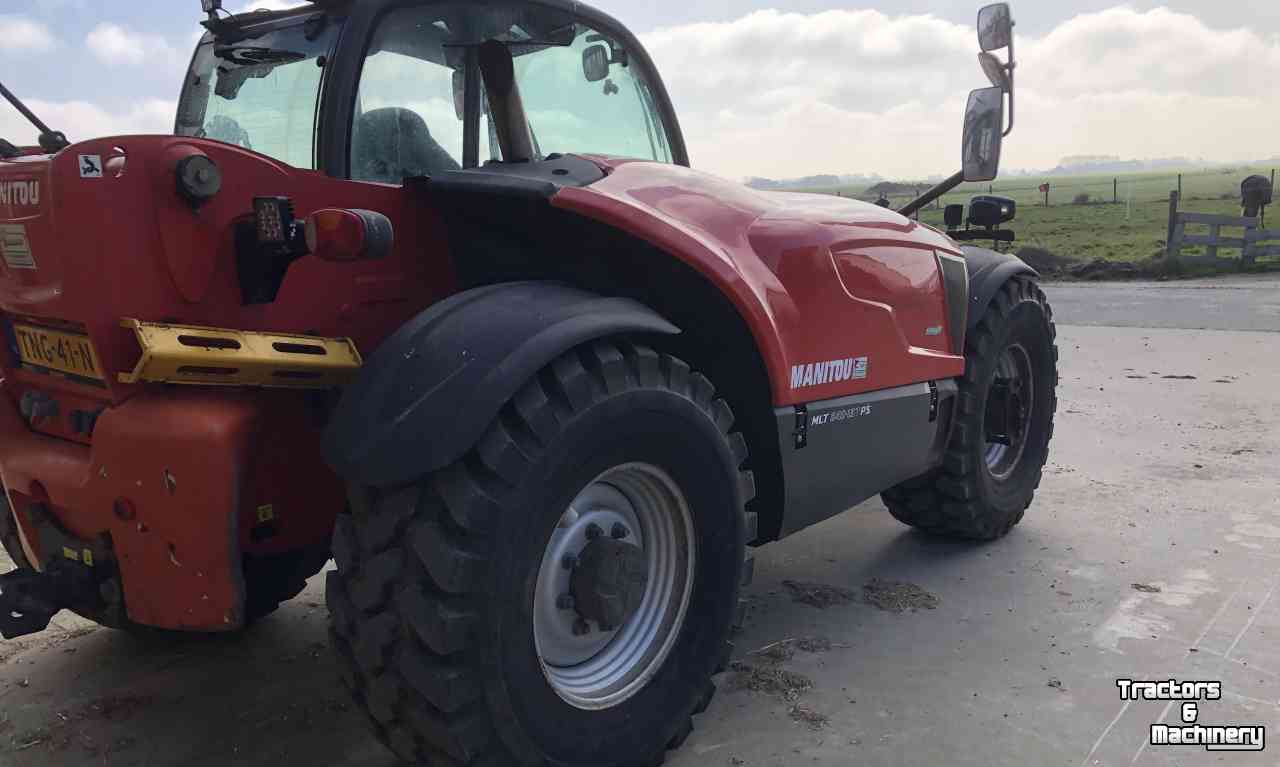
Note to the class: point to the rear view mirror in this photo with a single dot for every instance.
(995, 27)
(595, 63)
(995, 70)
(983, 134)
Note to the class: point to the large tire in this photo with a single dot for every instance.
(981, 491)
(437, 585)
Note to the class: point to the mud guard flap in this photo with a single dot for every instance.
(988, 270)
(430, 390)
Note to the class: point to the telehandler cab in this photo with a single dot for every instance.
(428, 287)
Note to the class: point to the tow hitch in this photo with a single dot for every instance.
(28, 601)
(70, 578)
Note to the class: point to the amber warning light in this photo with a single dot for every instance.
(336, 234)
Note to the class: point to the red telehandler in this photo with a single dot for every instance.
(429, 288)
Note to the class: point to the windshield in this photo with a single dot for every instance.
(409, 116)
(262, 92)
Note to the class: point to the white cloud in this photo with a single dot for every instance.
(116, 44)
(789, 94)
(22, 35)
(81, 120)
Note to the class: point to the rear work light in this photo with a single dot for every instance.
(273, 218)
(336, 234)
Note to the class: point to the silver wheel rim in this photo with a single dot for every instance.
(601, 669)
(1014, 366)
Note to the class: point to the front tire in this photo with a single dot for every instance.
(999, 442)
(481, 614)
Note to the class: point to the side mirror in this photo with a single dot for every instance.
(995, 27)
(995, 71)
(983, 134)
(595, 63)
(953, 215)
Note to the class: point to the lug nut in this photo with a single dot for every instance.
(594, 531)
(581, 628)
(565, 601)
(570, 562)
(619, 531)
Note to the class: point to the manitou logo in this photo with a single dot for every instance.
(20, 193)
(819, 373)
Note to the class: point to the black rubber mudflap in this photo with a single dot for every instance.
(27, 603)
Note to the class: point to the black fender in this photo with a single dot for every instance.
(429, 391)
(988, 270)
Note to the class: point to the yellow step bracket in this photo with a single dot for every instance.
(189, 354)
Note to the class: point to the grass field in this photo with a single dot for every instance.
(1129, 226)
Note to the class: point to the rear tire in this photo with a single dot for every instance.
(438, 612)
(982, 489)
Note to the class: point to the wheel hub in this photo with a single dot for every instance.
(609, 582)
(1007, 417)
(613, 587)
(1005, 411)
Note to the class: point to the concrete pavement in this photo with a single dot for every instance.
(1162, 475)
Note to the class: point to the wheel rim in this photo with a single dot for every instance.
(604, 666)
(1008, 411)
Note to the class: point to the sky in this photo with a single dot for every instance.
(785, 88)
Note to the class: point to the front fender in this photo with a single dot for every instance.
(429, 391)
(988, 271)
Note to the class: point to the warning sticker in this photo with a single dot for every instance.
(15, 247)
(90, 166)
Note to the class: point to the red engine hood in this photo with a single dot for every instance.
(791, 263)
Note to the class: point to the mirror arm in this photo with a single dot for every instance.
(933, 194)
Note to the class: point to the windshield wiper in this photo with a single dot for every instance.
(51, 140)
(241, 63)
(251, 55)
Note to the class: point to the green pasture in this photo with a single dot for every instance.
(1125, 218)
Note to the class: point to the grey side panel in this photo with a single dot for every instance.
(851, 448)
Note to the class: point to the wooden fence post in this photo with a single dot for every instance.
(1211, 250)
(1170, 250)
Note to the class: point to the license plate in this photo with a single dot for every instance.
(69, 353)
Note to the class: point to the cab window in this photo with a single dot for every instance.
(408, 118)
